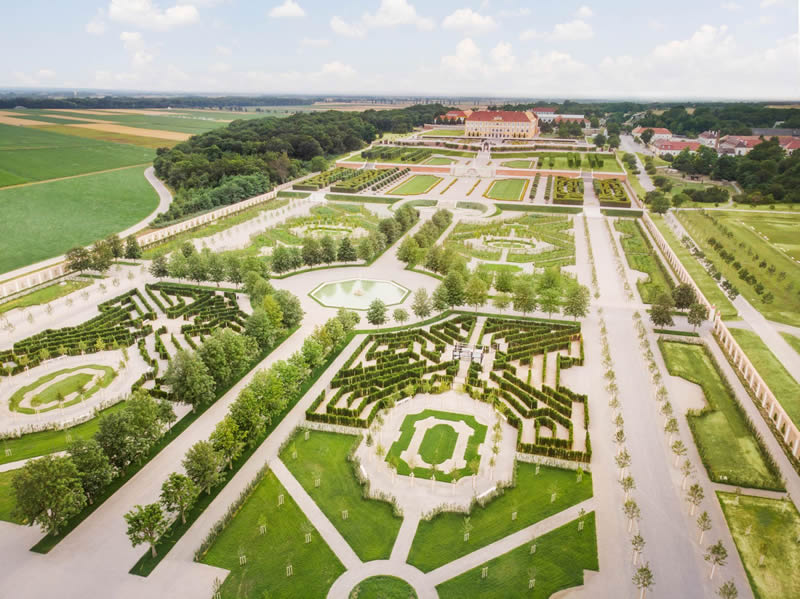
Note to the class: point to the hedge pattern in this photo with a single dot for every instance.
(568, 191)
(611, 193)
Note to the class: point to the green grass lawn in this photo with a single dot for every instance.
(747, 228)
(37, 444)
(437, 442)
(416, 185)
(792, 340)
(315, 566)
(441, 540)
(778, 379)
(439, 161)
(643, 258)
(47, 397)
(560, 559)
(444, 132)
(704, 281)
(509, 190)
(517, 164)
(384, 587)
(7, 500)
(62, 214)
(728, 448)
(472, 206)
(773, 530)
(44, 295)
(371, 526)
(28, 154)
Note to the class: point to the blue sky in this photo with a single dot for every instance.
(588, 49)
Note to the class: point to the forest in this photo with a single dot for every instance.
(730, 119)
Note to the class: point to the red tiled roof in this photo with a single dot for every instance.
(570, 119)
(791, 145)
(499, 115)
(455, 114)
(656, 130)
(543, 109)
(675, 146)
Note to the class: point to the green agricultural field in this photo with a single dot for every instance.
(508, 190)
(416, 185)
(767, 527)
(7, 500)
(383, 587)
(44, 295)
(778, 250)
(778, 379)
(444, 132)
(117, 138)
(59, 215)
(790, 339)
(560, 559)
(441, 540)
(704, 281)
(178, 123)
(371, 526)
(314, 565)
(644, 258)
(518, 164)
(730, 451)
(34, 445)
(28, 154)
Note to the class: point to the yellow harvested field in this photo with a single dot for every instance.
(84, 111)
(66, 117)
(158, 133)
(10, 120)
(144, 112)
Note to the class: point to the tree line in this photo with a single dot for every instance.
(15, 101)
(727, 118)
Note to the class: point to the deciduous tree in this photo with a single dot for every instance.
(146, 524)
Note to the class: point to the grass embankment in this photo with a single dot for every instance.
(728, 446)
(45, 295)
(778, 379)
(59, 215)
(314, 565)
(560, 559)
(371, 526)
(444, 132)
(767, 527)
(441, 540)
(708, 286)
(643, 257)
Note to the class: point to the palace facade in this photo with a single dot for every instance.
(501, 124)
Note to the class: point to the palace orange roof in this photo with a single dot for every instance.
(499, 115)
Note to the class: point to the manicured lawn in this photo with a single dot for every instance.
(773, 526)
(439, 161)
(747, 228)
(509, 190)
(37, 444)
(446, 132)
(707, 284)
(384, 587)
(441, 540)
(34, 155)
(315, 567)
(7, 500)
(62, 214)
(793, 341)
(371, 527)
(560, 559)
(729, 450)
(472, 206)
(416, 185)
(44, 295)
(643, 257)
(48, 395)
(517, 164)
(439, 442)
(778, 379)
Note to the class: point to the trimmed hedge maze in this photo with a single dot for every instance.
(322, 180)
(387, 367)
(611, 193)
(366, 178)
(395, 154)
(568, 191)
(544, 417)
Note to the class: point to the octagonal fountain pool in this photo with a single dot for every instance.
(358, 294)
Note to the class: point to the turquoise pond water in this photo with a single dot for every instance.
(358, 293)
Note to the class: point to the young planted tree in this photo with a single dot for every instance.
(376, 314)
(703, 525)
(632, 512)
(679, 449)
(687, 469)
(203, 465)
(716, 555)
(400, 315)
(94, 469)
(421, 304)
(347, 253)
(643, 579)
(698, 314)
(637, 544)
(576, 302)
(628, 485)
(623, 460)
(728, 590)
(661, 312)
(695, 496)
(158, 267)
(476, 292)
(178, 494)
(684, 296)
(671, 427)
(502, 301)
(146, 524)
(228, 440)
(189, 379)
(133, 251)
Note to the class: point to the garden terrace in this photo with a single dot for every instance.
(397, 154)
(550, 419)
(611, 193)
(508, 190)
(365, 178)
(395, 174)
(324, 179)
(568, 191)
(642, 256)
(387, 367)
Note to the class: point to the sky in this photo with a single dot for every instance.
(680, 49)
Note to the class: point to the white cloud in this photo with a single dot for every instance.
(390, 14)
(342, 27)
(339, 69)
(289, 8)
(503, 57)
(465, 61)
(45, 73)
(314, 42)
(732, 6)
(218, 66)
(465, 19)
(768, 3)
(517, 12)
(134, 44)
(584, 12)
(571, 31)
(223, 50)
(766, 20)
(145, 14)
(97, 26)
